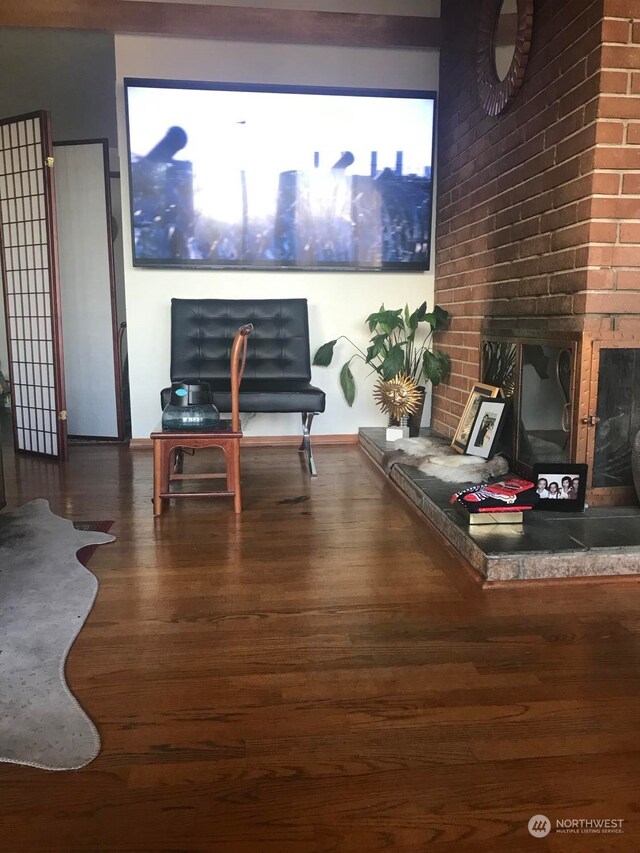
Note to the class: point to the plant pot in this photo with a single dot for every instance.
(397, 428)
(416, 418)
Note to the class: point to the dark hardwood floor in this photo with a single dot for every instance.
(321, 675)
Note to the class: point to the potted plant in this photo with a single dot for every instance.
(399, 345)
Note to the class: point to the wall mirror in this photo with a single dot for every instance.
(505, 37)
(504, 41)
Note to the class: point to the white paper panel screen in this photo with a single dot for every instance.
(25, 248)
(85, 288)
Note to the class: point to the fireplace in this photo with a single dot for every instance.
(538, 238)
(576, 398)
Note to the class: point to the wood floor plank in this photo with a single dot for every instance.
(323, 676)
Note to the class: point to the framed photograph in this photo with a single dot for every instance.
(479, 392)
(486, 428)
(561, 487)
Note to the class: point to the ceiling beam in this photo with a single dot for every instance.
(230, 23)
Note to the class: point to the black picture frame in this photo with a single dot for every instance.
(487, 427)
(555, 473)
(186, 215)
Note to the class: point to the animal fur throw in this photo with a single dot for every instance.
(438, 459)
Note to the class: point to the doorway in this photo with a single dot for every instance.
(92, 367)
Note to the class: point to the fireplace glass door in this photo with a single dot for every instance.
(575, 399)
(545, 389)
(617, 416)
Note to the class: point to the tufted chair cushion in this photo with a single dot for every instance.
(278, 369)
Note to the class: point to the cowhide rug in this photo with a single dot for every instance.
(434, 456)
(45, 596)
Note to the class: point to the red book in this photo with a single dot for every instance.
(513, 494)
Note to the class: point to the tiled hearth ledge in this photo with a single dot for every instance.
(601, 542)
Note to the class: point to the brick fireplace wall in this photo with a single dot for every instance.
(617, 168)
(538, 222)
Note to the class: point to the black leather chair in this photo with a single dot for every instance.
(277, 376)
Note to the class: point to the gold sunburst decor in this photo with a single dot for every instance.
(398, 396)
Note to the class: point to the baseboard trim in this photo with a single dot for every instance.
(271, 440)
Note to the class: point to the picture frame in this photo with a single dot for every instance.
(486, 429)
(571, 499)
(478, 393)
(256, 176)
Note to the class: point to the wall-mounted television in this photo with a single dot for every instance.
(272, 177)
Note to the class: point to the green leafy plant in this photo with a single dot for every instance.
(499, 365)
(399, 344)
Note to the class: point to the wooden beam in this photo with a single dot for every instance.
(229, 23)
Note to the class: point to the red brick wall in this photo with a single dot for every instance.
(616, 207)
(538, 219)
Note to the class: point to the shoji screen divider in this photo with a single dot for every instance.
(29, 266)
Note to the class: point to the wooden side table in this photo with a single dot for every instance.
(166, 443)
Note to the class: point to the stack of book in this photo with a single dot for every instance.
(504, 502)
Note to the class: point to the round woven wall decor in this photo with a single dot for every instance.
(496, 95)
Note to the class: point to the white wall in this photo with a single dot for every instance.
(71, 73)
(338, 302)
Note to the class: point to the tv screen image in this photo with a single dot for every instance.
(274, 177)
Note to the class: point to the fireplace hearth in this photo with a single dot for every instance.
(599, 542)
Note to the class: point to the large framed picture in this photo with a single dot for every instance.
(260, 176)
(486, 428)
(478, 393)
(561, 487)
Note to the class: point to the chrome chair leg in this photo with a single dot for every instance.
(305, 447)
